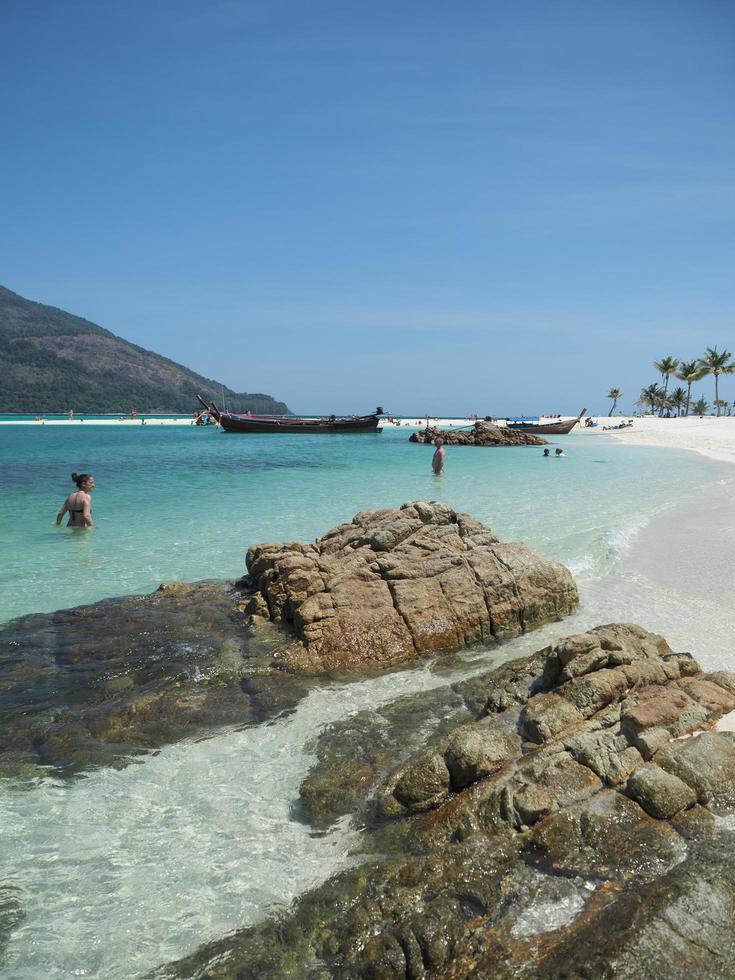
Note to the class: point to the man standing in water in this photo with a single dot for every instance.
(437, 461)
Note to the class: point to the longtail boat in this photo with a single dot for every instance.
(547, 428)
(291, 424)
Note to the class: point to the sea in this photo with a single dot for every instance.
(126, 869)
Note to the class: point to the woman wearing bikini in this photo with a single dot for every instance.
(79, 504)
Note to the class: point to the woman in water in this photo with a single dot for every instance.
(79, 503)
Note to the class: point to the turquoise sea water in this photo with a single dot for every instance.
(126, 869)
(185, 503)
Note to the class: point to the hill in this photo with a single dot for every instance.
(51, 361)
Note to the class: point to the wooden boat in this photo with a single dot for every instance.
(547, 428)
(291, 424)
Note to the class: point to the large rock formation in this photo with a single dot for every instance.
(481, 434)
(393, 585)
(570, 829)
(101, 683)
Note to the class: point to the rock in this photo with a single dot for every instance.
(422, 784)
(706, 763)
(660, 793)
(394, 585)
(496, 813)
(12, 913)
(477, 750)
(607, 836)
(480, 434)
(680, 926)
(103, 683)
(355, 754)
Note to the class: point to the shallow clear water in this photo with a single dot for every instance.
(186, 503)
(123, 870)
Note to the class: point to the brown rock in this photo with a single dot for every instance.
(396, 584)
(660, 793)
(480, 434)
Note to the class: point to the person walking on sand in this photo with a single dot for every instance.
(437, 460)
(79, 503)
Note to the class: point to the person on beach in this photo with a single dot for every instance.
(437, 460)
(79, 503)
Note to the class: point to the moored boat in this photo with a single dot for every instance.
(561, 428)
(291, 424)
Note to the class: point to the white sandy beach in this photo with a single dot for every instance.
(686, 553)
(709, 436)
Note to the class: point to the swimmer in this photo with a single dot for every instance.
(546, 453)
(437, 460)
(558, 452)
(79, 503)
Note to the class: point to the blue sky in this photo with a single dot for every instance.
(476, 206)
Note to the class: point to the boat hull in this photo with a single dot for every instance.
(286, 426)
(544, 429)
(294, 424)
(547, 428)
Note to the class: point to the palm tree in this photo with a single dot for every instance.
(717, 363)
(665, 404)
(614, 393)
(690, 372)
(651, 395)
(700, 407)
(666, 367)
(678, 399)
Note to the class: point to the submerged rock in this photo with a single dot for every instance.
(536, 841)
(394, 585)
(102, 683)
(481, 434)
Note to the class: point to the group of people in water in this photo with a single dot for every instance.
(78, 505)
(437, 460)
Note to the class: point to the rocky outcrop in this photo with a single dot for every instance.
(481, 434)
(102, 683)
(393, 585)
(569, 829)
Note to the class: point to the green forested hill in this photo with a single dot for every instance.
(51, 361)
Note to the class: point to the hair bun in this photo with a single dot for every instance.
(74, 476)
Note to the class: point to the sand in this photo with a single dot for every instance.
(709, 436)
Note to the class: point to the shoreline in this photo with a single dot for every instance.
(709, 436)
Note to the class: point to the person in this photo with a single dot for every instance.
(79, 503)
(547, 453)
(437, 461)
(558, 452)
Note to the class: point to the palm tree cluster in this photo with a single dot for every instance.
(659, 399)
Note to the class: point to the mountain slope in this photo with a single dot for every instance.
(51, 361)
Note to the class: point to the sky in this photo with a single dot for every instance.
(476, 206)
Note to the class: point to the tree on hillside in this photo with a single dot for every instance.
(689, 371)
(678, 399)
(717, 363)
(666, 367)
(700, 407)
(614, 393)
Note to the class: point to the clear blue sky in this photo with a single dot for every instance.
(445, 207)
